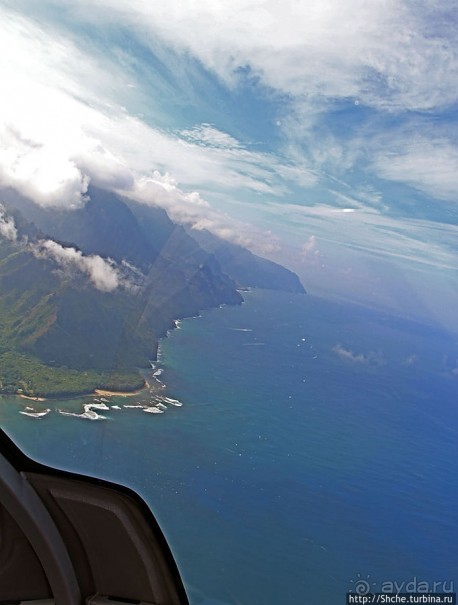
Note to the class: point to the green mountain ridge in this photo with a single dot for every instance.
(59, 334)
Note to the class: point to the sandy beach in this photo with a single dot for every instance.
(104, 393)
(32, 398)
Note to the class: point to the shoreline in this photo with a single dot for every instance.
(94, 393)
(30, 398)
(105, 393)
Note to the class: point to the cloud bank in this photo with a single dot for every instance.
(190, 209)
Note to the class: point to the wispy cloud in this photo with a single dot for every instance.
(409, 241)
(207, 134)
(428, 164)
(388, 54)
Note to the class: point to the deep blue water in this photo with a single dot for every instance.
(317, 445)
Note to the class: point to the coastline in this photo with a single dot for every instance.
(70, 376)
(94, 393)
(101, 392)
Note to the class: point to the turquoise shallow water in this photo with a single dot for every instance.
(316, 446)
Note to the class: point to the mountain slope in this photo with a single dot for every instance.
(246, 268)
(52, 314)
(86, 294)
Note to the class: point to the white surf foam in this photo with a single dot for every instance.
(34, 413)
(88, 413)
(173, 401)
(153, 410)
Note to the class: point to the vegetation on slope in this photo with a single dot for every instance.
(23, 374)
(59, 338)
(60, 335)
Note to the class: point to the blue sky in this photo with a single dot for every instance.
(320, 134)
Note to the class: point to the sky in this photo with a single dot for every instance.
(321, 134)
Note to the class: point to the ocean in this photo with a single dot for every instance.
(315, 453)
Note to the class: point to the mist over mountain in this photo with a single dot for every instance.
(94, 288)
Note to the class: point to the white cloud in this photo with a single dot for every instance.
(102, 273)
(41, 120)
(103, 168)
(162, 190)
(40, 171)
(309, 254)
(7, 225)
(309, 248)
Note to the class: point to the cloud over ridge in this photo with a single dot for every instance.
(101, 272)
